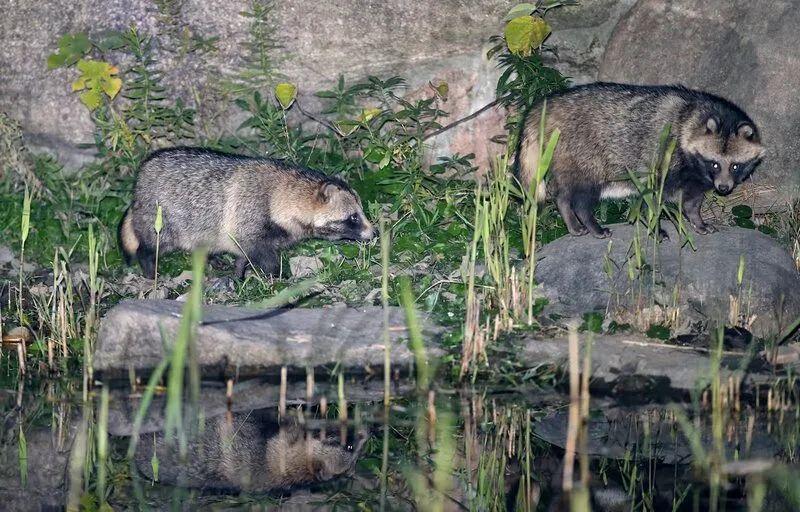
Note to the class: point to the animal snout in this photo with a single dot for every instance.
(724, 188)
(368, 232)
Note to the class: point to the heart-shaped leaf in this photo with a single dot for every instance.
(525, 33)
(285, 93)
(742, 211)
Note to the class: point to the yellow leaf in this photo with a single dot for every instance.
(525, 33)
(91, 98)
(112, 86)
(368, 114)
(285, 94)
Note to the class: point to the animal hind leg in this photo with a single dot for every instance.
(564, 204)
(583, 204)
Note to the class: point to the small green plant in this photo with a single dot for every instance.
(158, 224)
(25, 226)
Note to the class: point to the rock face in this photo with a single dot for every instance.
(574, 269)
(421, 41)
(316, 42)
(231, 341)
(745, 51)
(580, 35)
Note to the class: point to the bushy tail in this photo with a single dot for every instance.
(128, 242)
(528, 162)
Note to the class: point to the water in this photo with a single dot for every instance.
(453, 449)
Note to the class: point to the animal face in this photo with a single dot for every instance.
(339, 215)
(726, 155)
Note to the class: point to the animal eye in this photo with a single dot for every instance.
(715, 166)
(735, 167)
(354, 219)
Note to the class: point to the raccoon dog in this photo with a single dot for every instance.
(608, 129)
(251, 207)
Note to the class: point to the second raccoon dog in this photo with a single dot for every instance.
(251, 207)
(608, 129)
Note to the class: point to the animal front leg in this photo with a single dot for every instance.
(692, 202)
(268, 260)
(146, 257)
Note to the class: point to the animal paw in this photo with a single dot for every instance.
(578, 231)
(662, 235)
(603, 233)
(705, 229)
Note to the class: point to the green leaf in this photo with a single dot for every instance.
(658, 331)
(154, 464)
(71, 47)
(525, 33)
(285, 93)
(593, 322)
(523, 9)
(742, 211)
(22, 457)
(97, 78)
(744, 223)
(159, 223)
(767, 230)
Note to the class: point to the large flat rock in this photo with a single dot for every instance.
(627, 365)
(231, 342)
(575, 270)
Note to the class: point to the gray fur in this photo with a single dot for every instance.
(249, 452)
(608, 129)
(251, 207)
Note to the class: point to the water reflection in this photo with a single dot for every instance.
(484, 449)
(251, 452)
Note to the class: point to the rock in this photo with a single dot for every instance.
(18, 335)
(257, 342)
(6, 255)
(573, 270)
(788, 355)
(304, 266)
(641, 367)
(580, 35)
(649, 432)
(744, 51)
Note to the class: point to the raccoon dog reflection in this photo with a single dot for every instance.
(608, 129)
(251, 207)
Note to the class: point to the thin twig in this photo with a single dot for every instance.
(441, 130)
(463, 119)
(315, 118)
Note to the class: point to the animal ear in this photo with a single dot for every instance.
(746, 130)
(712, 125)
(326, 191)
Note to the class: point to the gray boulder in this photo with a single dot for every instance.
(575, 271)
(631, 366)
(745, 51)
(241, 341)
